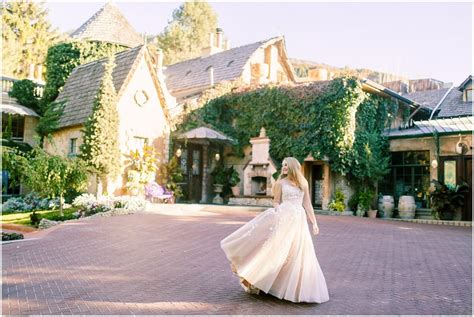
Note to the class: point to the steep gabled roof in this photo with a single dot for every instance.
(108, 25)
(466, 81)
(427, 98)
(227, 65)
(83, 84)
(454, 106)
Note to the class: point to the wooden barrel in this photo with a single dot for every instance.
(406, 207)
(387, 205)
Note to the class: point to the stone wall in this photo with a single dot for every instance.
(138, 119)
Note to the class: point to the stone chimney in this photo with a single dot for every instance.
(39, 75)
(159, 61)
(31, 73)
(318, 74)
(215, 46)
(220, 39)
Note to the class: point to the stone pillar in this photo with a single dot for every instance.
(326, 186)
(205, 173)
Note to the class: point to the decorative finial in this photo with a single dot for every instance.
(263, 132)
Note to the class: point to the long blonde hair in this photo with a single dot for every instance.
(294, 173)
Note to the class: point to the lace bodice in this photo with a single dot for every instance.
(292, 194)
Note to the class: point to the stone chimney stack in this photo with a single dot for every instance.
(211, 40)
(159, 61)
(31, 73)
(220, 38)
(39, 75)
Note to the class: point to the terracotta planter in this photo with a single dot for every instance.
(235, 190)
(372, 213)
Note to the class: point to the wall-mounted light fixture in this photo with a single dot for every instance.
(217, 157)
(179, 152)
(434, 163)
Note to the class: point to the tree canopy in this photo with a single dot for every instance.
(26, 36)
(188, 32)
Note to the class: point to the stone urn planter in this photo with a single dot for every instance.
(386, 205)
(218, 190)
(372, 213)
(235, 191)
(406, 207)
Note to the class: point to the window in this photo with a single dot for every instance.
(410, 175)
(449, 173)
(138, 143)
(13, 126)
(7, 188)
(73, 147)
(469, 95)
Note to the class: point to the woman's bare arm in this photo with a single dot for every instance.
(276, 194)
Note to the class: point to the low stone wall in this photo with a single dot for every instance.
(251, 201)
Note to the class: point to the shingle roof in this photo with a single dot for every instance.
(427, 98)
(108, 25)
(83, 84)
(442, 126)
(454, 106)
(227, 65)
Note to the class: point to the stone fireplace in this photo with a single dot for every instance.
(258, 180)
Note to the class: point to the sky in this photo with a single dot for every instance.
(416, 40)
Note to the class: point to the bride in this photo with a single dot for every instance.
(274, 252)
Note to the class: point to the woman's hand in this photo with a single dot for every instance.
(315, 229)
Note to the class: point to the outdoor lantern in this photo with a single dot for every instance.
(434, 163)
(178, 152)
(217, 156)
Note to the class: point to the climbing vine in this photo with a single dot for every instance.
(60, 62)
(335, 120)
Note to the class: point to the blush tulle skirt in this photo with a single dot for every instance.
(274, 253)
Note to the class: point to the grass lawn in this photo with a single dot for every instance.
(23, 218)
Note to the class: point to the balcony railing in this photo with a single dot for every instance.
(7, 84)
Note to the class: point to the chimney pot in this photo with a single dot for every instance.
(211, 40)
(219, 34)
(227, 45)
(159, 61)
(31, 74)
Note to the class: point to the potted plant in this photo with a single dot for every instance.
(337, 205)
(365, 199)
(220, 179)
(446, 202)
(234, 181)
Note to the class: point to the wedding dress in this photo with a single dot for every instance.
(274, 252)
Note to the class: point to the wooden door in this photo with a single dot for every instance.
(194, 177)
(317, 185)
(467, 212)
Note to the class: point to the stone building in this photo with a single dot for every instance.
(142, 104)
(437, 148)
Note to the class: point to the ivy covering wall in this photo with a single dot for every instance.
(333, 120)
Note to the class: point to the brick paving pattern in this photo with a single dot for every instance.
(171, 264)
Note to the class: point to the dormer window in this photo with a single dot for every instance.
(468, 95)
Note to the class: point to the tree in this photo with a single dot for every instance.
(27, 34)
(25, 93)
(48, 175)
(101, 148)
(188, 32)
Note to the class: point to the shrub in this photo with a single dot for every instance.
(7, 236)
(337, 204)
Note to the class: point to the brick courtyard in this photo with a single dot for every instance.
(172, 264)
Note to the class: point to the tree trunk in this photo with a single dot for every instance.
(61, 201)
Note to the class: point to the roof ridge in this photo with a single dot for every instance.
(230, 49)
(105, 58)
